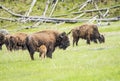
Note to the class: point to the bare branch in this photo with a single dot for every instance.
(89, 11)
(30, 10)
(47, 3)
(53, 8)
(83, 5)
(79, 16)
(8, 19)
(98, 9)
(9, 11)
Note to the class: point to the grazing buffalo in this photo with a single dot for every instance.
(50, 39)
(3, 33)
(5, 39)
(88, 32)
(17, 41)
(2, 38)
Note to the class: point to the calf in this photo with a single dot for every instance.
(43, 50)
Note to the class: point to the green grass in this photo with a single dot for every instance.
(114, 27)
(95, 62)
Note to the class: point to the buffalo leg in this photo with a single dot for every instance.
(49, 54)
(0, 47)
(95, 41)
(50, 50)
(73, 42)
(32, 56)
(31, 50)
(77, 41)
(88, 39)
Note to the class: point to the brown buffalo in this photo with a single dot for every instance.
(50, 38)
(13, 42)
(2, 38)
(88, 32)
(3, 33)
(17, 41)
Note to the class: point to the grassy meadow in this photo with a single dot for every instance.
(95, 62)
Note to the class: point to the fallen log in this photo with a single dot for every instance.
(56, 20)
(9, 11)
(21, 18)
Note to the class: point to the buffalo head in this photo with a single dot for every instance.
(63, 41)
(101, 39)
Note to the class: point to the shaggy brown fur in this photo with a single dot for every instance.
(88, 32)
(4, 39)
(7, 41)
(17, 41)
(3, 33)
(43, 50)
(50, 38)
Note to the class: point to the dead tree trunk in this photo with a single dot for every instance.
(53, 8)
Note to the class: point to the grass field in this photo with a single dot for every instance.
(95, 62)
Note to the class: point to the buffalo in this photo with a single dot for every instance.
(2, 38)
(49, 38)
(5, 39)
(88, 32)
(3, 33)
(13, 42)
(17, 41)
